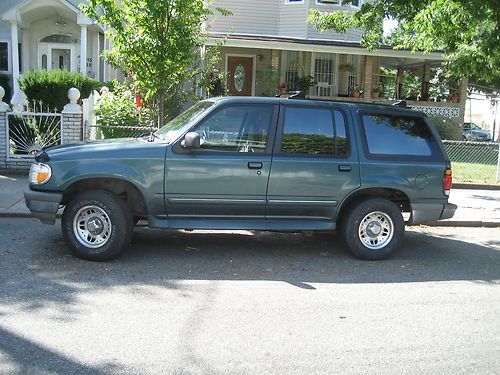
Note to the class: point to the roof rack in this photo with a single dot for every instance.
(302, 95)
(292, 95)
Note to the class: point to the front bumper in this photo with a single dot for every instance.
(43, 205)
(430, 212)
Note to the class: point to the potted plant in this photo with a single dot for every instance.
(357, 91)
(454, 97)
(375, 91)
(348, 68)
(304, 83)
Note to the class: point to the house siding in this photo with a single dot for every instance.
(292, 19)
(256, 17)
(275, 18)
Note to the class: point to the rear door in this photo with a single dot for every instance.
(314, 165)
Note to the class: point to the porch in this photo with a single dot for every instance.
(265, 66)
(53, 34)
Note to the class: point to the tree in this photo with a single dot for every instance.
(155, 41)
(466, 31)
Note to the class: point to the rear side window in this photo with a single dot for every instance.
(406, 136)
(314, 131)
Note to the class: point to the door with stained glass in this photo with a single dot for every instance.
(240, 75)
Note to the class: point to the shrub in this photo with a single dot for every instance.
(118, 109)
(51, 87)
(5, 83)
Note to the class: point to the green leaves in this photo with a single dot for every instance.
(467, 32)
(155, 41)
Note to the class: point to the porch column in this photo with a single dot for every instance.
(83, 49)
(426, 76)
(399, 83)
(367, 84)
(15, 56)
(462, 90)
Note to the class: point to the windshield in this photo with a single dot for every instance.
(176, 126)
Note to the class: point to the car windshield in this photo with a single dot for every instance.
(176, 126)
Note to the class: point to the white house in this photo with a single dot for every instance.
(50, 34)
(266, 43)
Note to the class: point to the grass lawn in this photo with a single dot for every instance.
(474, 173)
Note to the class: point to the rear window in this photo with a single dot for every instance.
(406, 136)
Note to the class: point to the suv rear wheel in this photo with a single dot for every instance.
(373, 229)
(97, 225)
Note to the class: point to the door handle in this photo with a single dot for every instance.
(345, 168)
(254, 165)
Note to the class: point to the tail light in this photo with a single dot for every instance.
(447, 181)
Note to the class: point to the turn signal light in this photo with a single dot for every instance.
(39, 173)
(447, 181)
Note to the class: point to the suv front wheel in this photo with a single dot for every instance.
(97, 225)
(373, 229)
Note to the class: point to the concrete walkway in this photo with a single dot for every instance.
(475, 207)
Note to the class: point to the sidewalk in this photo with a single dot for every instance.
(476, 208)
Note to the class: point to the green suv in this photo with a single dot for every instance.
(252, 163)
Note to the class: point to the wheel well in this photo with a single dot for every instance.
(124, 189)
(399, 198)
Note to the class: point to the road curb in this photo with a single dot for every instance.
(465, 223)
(475, 186)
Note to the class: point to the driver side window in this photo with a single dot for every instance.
(236, 129)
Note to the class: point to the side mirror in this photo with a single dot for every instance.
(191, 140)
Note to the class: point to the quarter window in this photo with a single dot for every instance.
(314, 131)
(388, 135)
(237, 129)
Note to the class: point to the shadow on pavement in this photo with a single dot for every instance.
(36, 269)
(31, 358)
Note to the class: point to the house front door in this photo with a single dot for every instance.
(240, 75)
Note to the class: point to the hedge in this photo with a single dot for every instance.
(51, 87)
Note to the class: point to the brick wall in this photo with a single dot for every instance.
(3, 139)
(72, 132)
(72, 128)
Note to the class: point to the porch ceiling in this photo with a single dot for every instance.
(317, 45)
(29, 11)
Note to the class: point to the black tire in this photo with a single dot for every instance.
(378, 246)
(116, 220)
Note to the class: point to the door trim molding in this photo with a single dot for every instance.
(254, 66)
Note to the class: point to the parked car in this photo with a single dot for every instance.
(473, 132)
(252, 163)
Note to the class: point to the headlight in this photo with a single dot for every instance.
(39, 173)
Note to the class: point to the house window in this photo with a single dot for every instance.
(325, 74)
(354, 3)
(292, 68)
(4, 56)
(327, 1)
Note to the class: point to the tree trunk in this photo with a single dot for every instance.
(161, 108)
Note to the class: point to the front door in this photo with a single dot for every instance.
(240, 75)
(226, 178)
(61, 58)
(313, 166)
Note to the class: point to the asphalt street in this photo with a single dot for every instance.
(249, 303)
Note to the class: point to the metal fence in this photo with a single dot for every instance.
(97, 132)
(29, 132)
(474, 162)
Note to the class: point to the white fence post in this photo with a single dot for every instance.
(72, 118)
(498, 164)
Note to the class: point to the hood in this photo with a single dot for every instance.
(109, 148)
